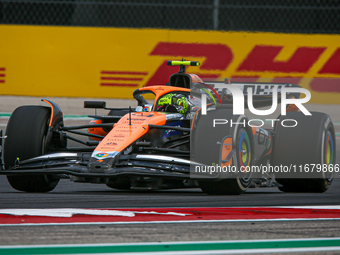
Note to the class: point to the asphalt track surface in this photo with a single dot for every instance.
(79, 195)
(83, 195)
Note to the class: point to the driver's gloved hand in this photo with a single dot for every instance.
(167, 108)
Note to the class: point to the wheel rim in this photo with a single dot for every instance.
(329, 154)
(244, 152)
(244, 155)
(329, 149)
(244, 149)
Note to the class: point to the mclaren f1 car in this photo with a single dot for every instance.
(173, 138)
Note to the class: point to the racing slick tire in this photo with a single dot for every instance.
(26, 134)
(209, 145)
(309, 145)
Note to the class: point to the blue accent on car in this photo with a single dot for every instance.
(170, 132)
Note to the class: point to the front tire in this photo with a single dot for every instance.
(26, 136)
(210, 143)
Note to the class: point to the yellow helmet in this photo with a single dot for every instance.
(179, 101)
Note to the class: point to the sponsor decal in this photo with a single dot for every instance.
(217, 57)
(114, 140)
(227, 151)
(132, 122)
(126, 127)
(171, 132)
(2, 74)
(103, 155)
(146, 109)
(121, 78)
(110, 144)
(236, 55)
(119, 135)
(135, 119)
(173, 116)
(262, 59)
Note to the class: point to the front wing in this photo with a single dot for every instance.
(76, 164)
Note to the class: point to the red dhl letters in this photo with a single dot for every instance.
(218, 57)
(261, 59)
(2, 74)
(333, 64)
(112, 62)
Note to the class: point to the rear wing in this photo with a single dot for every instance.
(262, 93)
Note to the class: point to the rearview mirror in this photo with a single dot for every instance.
(95, 104)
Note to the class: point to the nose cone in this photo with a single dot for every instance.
(101, 162)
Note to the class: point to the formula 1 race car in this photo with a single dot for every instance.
(180, 135)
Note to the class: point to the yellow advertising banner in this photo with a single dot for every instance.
(113, 62)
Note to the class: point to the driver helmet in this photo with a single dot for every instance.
(173, 103)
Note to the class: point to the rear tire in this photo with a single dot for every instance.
(26, 134)
(312, 141)
(208, 150)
